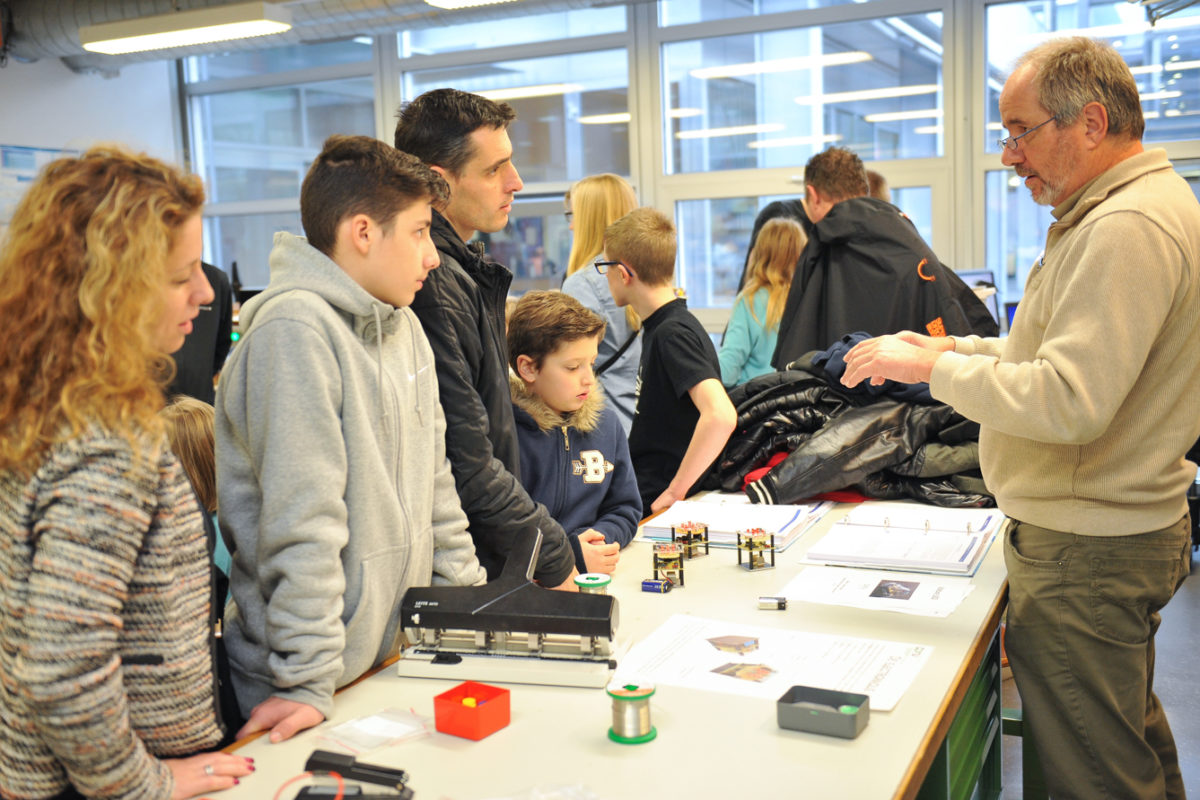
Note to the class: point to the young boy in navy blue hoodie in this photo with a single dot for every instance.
(574, 456)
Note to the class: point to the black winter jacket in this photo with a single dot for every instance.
(461, 308)
(882, 447)
(866, 268)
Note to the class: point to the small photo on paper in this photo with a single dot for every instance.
(896, 590)
(746, 672)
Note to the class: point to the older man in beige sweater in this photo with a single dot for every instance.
(1086, 411)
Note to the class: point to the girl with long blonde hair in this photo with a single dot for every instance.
(103, 555)
(595, 203)
(754, 324)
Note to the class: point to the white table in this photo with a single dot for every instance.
(709, 745)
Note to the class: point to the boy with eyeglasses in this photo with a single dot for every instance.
(683, 416)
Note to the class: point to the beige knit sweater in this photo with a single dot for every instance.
(105, 632)
(1088, 407)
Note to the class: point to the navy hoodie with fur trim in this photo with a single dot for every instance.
(578, 466)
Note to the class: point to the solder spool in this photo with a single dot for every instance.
(593, 582)
(631, 714)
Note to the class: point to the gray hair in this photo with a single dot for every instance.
(1071, 72)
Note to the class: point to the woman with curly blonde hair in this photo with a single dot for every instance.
(594, 203)
(105, 642)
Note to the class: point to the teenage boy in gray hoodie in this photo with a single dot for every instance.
(327, 417)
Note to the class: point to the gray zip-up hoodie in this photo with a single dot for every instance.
(334, 489)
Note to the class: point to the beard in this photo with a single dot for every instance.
(1053, 179)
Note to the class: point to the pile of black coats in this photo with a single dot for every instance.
(888, 442)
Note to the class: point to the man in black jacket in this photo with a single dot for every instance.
(464, 137)
(866, 268)
(205, 348)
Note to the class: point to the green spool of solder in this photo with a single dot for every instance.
(631, 714)
(593, 582)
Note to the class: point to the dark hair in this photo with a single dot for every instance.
(645, 240)
(437, 125)
(878, 186)
(1071, 72)
(360, 175)
(838, 173)
(543, 321)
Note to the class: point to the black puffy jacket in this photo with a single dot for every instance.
(461, 308)
(880, 446)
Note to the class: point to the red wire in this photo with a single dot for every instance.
(341, 784)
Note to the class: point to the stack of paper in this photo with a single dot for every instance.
(906, 592)
(729, 657)
(725, 515)
(905, 536)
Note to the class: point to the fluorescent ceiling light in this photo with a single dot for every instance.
(736, 130)
(868, 94)
(927, 129)
(540, 90)
(1164, 95)
(795, 141)
(186, 28)
(452, 5)
(680, 113)
(1121, 29)
(1170, 66)
(606, 119)
(914, 34)
(896, 116)
(994, 126)
(780, 65)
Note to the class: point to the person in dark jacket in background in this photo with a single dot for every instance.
(205, 348)
(464, 138)
(867, 269)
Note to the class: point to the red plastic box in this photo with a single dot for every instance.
(490, 713)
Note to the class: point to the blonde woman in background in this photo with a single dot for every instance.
(754, 325)
(190, 432)
(595, 203)
(106, 638)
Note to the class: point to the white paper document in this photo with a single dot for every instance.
(906, 592)
(730, 657)
(907, 536)
(725, 515)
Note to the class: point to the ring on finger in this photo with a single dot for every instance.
(209, 770)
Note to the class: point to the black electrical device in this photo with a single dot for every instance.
(328, 792)
(349, 768)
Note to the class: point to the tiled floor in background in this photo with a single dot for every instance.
(1176, 682)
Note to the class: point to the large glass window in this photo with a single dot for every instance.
(1164, 59)
(1016, 232)
(250, 63)
(244, 241)
(252, 145)
(257, 144)
(510, 30)
(573, 112)
(773, 99)
(683, 12)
